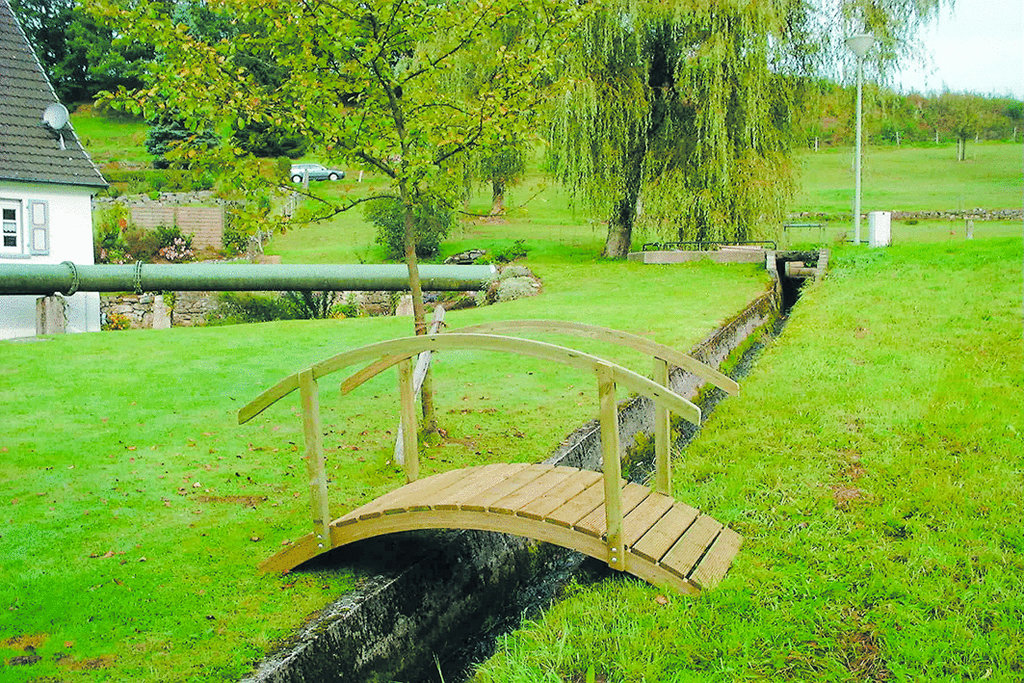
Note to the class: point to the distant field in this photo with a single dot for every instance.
(913, 178)
(540, 212)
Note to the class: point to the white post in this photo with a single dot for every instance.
(856, 160)
(859, 45)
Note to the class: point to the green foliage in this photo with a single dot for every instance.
(248, 307)
(80, 56)
(235, 239)
(312, 305)
(500, 164)
(377, 83)
(168, 180)
(686, 108)
(266, 140)
(169, 132)
(512, 252)
(432, 223)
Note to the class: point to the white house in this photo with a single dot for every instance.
(46, 184)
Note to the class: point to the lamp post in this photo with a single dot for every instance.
(859, 45)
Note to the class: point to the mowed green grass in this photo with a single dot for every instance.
(910, 178)
(873, 462)
(112, 139)
(135, 509)
(538, 211)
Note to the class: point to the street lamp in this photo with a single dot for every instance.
(859, 45)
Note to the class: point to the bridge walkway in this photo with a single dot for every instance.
(665, 542)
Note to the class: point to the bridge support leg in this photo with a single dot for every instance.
(310, 395)
(409, 428)
(612, 467)
(663, 464)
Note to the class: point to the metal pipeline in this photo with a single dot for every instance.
(68, 278)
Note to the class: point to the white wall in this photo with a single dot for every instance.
(70, 223)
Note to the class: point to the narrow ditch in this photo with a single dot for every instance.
(432, 604)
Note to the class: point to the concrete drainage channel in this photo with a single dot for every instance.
(432, 603)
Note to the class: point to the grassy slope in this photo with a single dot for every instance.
(123, 446)
(873, 461)
(111, 139)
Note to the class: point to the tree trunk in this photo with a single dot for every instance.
(419, 316)
(497, 197)
(961, 148)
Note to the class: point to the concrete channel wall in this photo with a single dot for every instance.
(462, 584)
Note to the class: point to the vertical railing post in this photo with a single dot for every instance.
(408, 397)
(663, 464)
(315, 458)
(612, 467)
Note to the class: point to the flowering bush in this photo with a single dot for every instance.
(117, 321)
(178, 251)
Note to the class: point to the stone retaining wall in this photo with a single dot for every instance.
(958, 215)
(181, 309)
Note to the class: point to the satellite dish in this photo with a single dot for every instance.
(56, 116)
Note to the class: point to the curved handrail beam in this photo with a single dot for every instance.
(406, 347)
(613, 336)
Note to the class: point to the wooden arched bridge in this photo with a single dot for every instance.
(631, 527)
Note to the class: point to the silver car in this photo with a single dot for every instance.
(315, 172)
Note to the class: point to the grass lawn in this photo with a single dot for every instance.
(927, 178)
(135, 509)
(538, 212)
(111, 139)
(873, 461)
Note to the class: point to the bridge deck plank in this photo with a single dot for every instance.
(480, 479)
(485, 499)
(511, 503)
(644, 516)
(554, 498)
(712, 567)
(659, 538)
(691, 546)
(579, 506)
(394, 499)
(596, 523)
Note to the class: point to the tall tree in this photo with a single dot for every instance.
(368, 80)
(688, 105)
(80, 56)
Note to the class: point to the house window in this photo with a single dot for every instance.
(10, 227)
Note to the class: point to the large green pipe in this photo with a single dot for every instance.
(68, 278)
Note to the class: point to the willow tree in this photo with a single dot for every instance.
(685, 106)
(368, 81)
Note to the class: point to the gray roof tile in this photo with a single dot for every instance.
(29, 151)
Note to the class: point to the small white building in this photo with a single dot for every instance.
(47, 181)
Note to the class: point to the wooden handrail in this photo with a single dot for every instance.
(618, 337)
(396, 349)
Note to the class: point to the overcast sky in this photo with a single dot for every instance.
(977, 47)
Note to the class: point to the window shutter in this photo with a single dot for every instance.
(38, 227)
